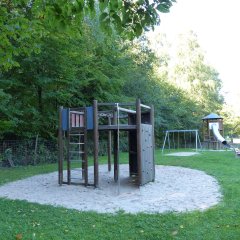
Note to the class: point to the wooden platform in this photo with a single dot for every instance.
(116, 127)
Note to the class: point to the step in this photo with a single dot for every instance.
(78, 170)
(73, 143)
(76, 134)
(77, 178)
(77, 160)
(79, 152)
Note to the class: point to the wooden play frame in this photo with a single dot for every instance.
(77, 122)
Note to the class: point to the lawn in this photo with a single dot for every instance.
(22, 220)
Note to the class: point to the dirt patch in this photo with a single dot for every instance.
(182, 154)
(175, 189)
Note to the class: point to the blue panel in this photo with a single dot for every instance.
(89, 118)
(65, 119)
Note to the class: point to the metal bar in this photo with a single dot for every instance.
(169, 144)
(114, 104)
(145, 106)
(164, 142)
(71, 143)
(127, 110)
(191, 130)
(96, 139)
(196, 140)
(199, 142)
(139, 147)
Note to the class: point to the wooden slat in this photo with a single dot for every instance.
(115, 127)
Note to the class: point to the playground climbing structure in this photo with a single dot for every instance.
(77, 125)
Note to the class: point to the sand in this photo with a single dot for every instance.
(175, 189)
(182, 154)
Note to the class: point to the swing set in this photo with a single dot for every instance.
(176, 139)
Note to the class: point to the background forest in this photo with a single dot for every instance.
(70, 68)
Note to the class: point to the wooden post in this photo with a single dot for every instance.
(109, 145)
(153, 138)
(35, 151)
(96, 142)
(115, 148)
(139, 147)
(68, 148)
(60, 148)
(85, 148)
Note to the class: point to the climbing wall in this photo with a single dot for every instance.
(147, 152)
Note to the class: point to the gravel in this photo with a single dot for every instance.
(175, 189)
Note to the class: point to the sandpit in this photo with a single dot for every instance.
(182, 154)
(175, 189)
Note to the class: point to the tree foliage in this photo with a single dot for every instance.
(23, 23)
(47, 64)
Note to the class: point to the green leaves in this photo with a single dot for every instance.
(165, 5)
(23, 25)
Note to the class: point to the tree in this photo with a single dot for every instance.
(67, 71)
(23, 23)
(184, 65)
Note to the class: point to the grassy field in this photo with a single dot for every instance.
(22, 220)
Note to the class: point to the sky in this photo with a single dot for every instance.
(216, 23)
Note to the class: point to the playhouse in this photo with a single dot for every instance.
(209, 140)
(78, 125)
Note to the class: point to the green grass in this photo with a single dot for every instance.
(22, 220)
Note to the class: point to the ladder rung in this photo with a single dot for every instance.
(78, 170)
(80, 113)
(76, 134)
(76, 152)
(77, 160)
(72, 143)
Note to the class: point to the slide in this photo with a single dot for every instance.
(219, 137)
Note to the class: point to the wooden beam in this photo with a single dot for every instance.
(109, 145)
(153, 138)
(96, 142)
(60, 148)
(139, 147)
(85, 149)
(115, 127)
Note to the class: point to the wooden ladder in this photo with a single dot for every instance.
(77, 161)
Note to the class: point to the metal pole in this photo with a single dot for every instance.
(199, 142)
(196, 140)
(169, 145)
(164, 142)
